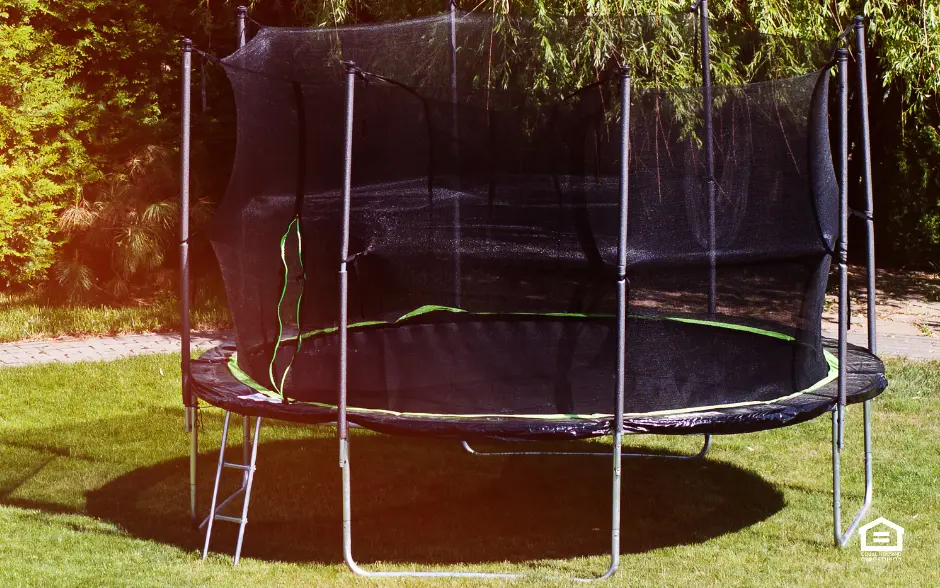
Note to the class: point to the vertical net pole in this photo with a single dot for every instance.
(621, 317)
(860, 46)
(709, 157)
(344, 254)
(866, 178)
(240, 16)
(458, 277)
(342, 425)
(185, 107)
(842, 61)
(189, 401)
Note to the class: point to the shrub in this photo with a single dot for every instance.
(80, 86)
(121, 233)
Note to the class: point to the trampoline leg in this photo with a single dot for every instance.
(701, 453)
(347, 537)
(246, 446)
(248, 469)
(842, 539)
(192, 416)
(215, 488)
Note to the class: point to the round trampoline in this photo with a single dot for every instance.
(420, 238)
(466, 376)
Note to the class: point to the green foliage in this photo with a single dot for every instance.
(914, 203)
(87, 84)
(73, 103)
(120, 234)
(904, 64)
(40, 159)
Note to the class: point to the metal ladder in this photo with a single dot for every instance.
(248, 474)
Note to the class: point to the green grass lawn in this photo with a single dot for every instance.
(23, 316)
(94, 473)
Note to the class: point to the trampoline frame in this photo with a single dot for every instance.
(250, 443)
(701, 453)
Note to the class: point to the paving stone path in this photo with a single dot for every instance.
(108, 348)
(67, 350)
(916, 347)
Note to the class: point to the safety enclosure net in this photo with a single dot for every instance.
(485, 218)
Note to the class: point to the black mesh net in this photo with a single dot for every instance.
(483, 184)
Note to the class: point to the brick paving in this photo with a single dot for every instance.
(68, 350)
(917, 347)
(108, 348)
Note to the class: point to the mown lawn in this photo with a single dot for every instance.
(93, 491)
(24, 316)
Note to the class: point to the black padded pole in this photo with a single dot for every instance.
(709, 157)
(455, 131)
(185, 107)
(189, 401)
(866, 178)
(625, 80)
(842, 56)
(241, 14)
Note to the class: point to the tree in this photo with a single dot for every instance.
(82, 84)
(87, 85)
(904, 78)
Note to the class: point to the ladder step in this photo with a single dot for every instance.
(219, 517)
(222, 505)
(237, 466)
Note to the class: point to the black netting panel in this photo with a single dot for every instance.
(471, 189)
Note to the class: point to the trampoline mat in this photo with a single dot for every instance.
(541, 377)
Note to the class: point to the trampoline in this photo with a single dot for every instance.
(420, 238)
(465, 386)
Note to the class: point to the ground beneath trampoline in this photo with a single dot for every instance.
(456, 507)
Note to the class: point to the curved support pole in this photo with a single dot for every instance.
(357, 569)
(838, 425)
(341, 417)
(842, 539)
(701, 453)
(343, 424)
(347, 539)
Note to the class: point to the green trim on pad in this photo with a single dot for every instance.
(831, 375)
(294, 224)
(426, 309)
(732, 326)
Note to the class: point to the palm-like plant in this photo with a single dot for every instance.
(119, 236)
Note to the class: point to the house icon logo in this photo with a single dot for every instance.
(882, 535)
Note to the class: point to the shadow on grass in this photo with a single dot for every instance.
(427, 501)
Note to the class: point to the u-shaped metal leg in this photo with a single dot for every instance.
(842, 539)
